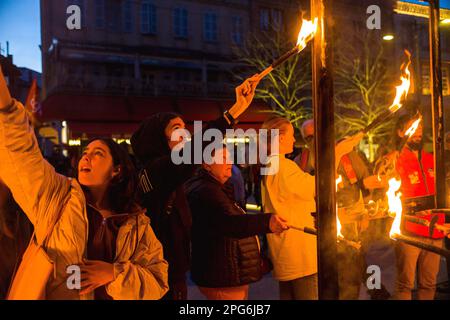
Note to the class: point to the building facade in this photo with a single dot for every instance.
(132, 58)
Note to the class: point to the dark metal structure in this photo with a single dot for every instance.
(325, 141)
(437, 108)
(437, 104)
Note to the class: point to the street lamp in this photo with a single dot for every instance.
(388, 37)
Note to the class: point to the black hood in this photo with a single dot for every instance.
(149, 141)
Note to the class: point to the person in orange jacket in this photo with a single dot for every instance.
(416, 169)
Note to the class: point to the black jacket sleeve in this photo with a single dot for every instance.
(222, 216)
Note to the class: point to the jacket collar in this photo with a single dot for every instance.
(127, 218)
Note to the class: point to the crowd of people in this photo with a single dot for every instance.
(138, 225)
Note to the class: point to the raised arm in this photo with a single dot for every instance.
(35, 186)
(174, 174)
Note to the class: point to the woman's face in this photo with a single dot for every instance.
(174, 124)
(96, 167)
(287, 140)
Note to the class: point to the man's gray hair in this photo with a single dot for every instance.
(304, 125)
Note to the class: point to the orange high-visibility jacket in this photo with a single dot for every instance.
(418, 181)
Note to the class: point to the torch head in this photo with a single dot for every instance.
(307, 32)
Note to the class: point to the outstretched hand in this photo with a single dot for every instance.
(245, 93)
(347, 145)
(5, 97)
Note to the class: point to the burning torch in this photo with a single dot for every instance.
(340, 236)
(401, 94)
(305, 35)
(396, 209)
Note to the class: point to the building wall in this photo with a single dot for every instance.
(108, 56)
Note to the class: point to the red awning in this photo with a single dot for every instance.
(103, 129)
(102, 108)
(196, 109)
(111, 115)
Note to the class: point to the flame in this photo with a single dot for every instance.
(403, 89)
(338, 223)
(395, 205)
(307, 32)
(413, 128)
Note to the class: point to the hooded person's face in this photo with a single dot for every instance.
(172, 126)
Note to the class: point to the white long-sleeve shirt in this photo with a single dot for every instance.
(289, 193)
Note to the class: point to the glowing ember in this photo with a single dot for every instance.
(412, 129)
(338, 223)
(403, 89)
(307, 32)
(395, 205)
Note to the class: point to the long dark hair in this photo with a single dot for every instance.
(122, 191)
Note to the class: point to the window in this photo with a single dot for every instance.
(237, 31)
(114, 16)
(148, 18)
(100, 14)
(182, 76)
(426, 80)
(180, 22)
(264, 19)
(128, 16)
(277, 19)
(210, 27)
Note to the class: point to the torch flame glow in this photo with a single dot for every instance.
(403, 89)
(307, 32)
(395, 205)
(338, 223)
(412, 129)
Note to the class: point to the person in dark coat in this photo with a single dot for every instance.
(225, 248)
(15, 233)
(162, 180)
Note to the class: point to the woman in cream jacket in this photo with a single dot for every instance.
(289, 192)
(133, 267)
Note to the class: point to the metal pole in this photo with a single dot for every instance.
(436, 104)
(437, 109)
(418, 66)
(324, 139)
